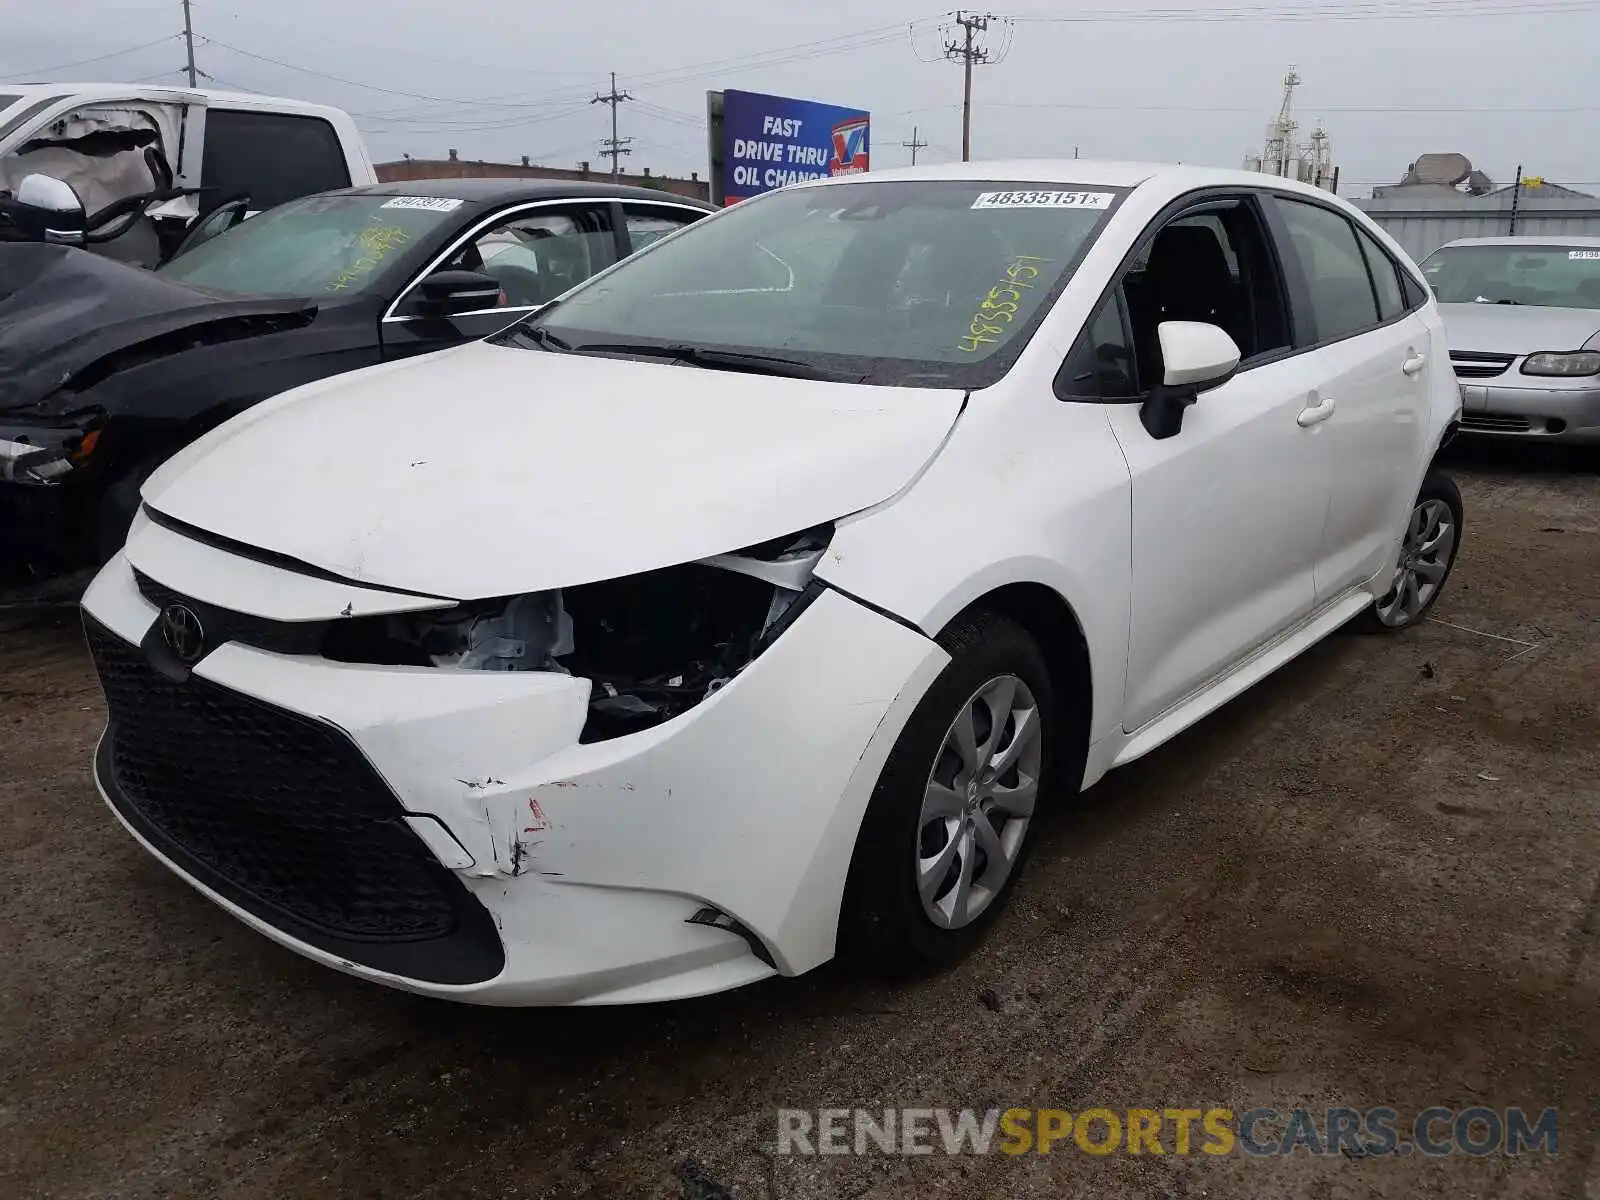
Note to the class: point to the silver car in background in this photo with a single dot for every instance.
(1523, 318)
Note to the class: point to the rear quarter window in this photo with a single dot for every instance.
(270, 157)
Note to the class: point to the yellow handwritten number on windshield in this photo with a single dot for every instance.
(376, 242)
(999, 307)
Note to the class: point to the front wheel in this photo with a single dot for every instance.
(1427, 554)
(947, 831)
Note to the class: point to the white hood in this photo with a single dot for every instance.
(487, 471)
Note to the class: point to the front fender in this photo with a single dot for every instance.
(1040, 498)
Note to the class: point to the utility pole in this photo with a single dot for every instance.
(614, 147)
(1516, 198)
(913, 145)
(964, 51)
(188, 40)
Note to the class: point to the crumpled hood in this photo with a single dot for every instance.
(62, 310)
(1517, 328)
(489, 471)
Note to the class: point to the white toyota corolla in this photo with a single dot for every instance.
(745, 604)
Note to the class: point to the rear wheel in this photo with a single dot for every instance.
(1427, 554)
(948, 829)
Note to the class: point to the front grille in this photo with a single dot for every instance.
(225, 625)
(1470, 364)
(1496, 422)
(282, 815)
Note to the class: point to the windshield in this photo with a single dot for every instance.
(915, 283)
(314, 246)
(1551, 276)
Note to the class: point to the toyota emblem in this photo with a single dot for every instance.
(182, 632)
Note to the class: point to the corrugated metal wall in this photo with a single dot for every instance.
(1422, 226)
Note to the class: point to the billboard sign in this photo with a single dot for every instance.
(769, 142)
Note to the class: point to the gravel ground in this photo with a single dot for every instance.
(1373, 880)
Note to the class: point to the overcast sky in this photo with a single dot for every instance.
(1187, 80)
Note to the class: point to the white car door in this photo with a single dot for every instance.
(1228, 512)
(1372, 356)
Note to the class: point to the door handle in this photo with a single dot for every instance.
(1314, 414)
(1414, 364)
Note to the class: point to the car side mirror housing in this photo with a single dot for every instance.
(450, 293)
(48, 209)
(1196, 357)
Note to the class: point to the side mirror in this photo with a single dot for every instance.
(49, 210)
(450, 293)
(1195, 358)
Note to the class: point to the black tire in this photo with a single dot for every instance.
(118, 507)
(883, 926)
(1437, 486)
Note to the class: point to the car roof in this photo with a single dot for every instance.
(1533, 239)
(1175, 177)
(489, 191)
(91, 92)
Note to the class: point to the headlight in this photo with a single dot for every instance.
(652, 645)
(1557, 362)
(24, 462)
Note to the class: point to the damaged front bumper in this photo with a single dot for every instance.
(695, 855)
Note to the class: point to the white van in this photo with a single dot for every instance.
(114, 142)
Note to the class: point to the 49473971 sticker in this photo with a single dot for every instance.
(998, 309)
(1043, 199)
(426, 203)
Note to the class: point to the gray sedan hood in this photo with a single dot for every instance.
(1517, 328)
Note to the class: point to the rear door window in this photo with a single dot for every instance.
(1335, 272)
(1385, 277)
(269, 157)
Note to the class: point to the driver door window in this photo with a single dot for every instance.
(107, 153)
(1212, 266)
(539, 254)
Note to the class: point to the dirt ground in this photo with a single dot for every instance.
(1374, 880)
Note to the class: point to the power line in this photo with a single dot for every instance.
(447, 125)
(83, 62)
(371, 87)
(551, 97)
(1339, 11)
(614, 147)
(1422, 109)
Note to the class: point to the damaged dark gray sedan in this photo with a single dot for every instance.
(107, 370)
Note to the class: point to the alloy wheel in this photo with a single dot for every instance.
(1425, 554)
(978, 802)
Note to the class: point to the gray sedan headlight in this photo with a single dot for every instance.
(1558, 362)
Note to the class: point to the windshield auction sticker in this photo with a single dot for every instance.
(1584, 255)
(428, 203)
(1043, 200)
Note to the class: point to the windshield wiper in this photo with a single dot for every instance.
(724, 360)
(540, 337)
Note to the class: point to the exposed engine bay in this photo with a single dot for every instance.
(653, 645)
